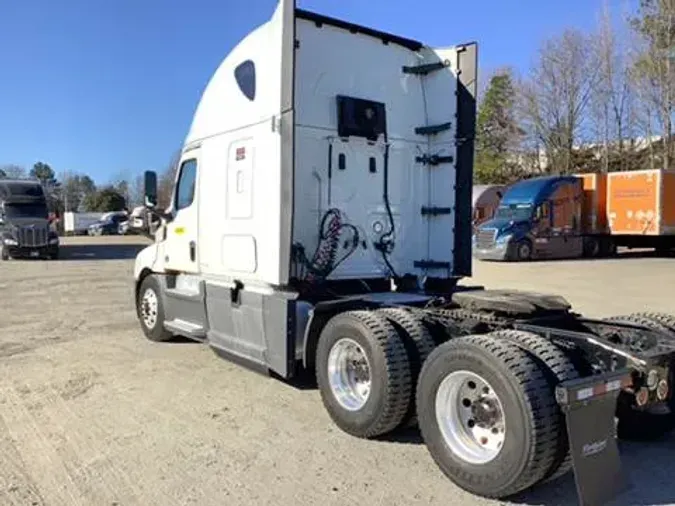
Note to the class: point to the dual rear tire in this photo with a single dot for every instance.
(367, 366)
(485, 404)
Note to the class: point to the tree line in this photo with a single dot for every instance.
(598, 101)
(75, 192)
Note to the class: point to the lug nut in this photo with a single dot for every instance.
(662, 390)
(642, 396)
(652, 379)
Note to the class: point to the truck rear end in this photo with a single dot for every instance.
(375, 139)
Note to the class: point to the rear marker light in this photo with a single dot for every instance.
(662, 390)
(642, 397)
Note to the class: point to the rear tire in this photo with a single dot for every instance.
(363, 373)
(419, 344)
(530, 416)
(664, 319)
(591, 247)
(557, 368)
(150, 310)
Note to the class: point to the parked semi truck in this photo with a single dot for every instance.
(25, 229)
(309, 232)
(581, 215)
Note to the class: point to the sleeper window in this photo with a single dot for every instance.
(185, 191)
(245, 76)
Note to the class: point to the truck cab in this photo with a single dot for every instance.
(25, 228)
(536, 218)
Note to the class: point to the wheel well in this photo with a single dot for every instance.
(144, 274)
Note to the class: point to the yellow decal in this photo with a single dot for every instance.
(180, 230)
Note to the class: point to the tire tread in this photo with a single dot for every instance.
(562, 368)
(398, 390)
(417, 334)
(541, 410)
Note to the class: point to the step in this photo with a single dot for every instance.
(186, 328)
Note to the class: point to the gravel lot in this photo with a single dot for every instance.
(91, 413)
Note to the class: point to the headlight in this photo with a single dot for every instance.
(503, 239)
(54, 240)
(10, 242)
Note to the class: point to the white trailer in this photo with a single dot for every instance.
(78, 223)
(321, 221)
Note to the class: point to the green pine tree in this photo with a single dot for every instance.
(497, 131)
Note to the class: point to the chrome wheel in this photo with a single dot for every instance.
(470, 417)
(149, 305)
(349, 374)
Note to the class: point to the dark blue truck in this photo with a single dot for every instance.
(541, 217)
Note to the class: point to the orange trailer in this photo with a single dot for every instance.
(594, 203)
(641, 202)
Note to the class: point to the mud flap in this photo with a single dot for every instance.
(589, 405)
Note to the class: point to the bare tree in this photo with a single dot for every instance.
(612, 97)
(12, 171)
(136, 190)
(654, 70)
(166, 180)
(556, 96)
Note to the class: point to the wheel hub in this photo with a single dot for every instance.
(470, 417)
(149, 308)
(349, 374)
(485, 412)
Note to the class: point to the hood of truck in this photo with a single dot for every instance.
(26, 222)
(505, 226)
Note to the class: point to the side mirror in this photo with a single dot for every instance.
(150, 188)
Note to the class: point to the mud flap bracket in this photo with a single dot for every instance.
(589, 405)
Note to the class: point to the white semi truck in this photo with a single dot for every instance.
(321, 221)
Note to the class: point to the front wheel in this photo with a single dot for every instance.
(4, 254)
(522, 250)
(150, 310)
(487, 415)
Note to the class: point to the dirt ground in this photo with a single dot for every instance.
(91, 413)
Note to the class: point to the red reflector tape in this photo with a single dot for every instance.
(602, 388)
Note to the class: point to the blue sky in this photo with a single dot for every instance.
(107, 87)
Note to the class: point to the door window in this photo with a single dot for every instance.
(185, 189)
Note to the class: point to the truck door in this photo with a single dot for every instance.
(181, 248)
